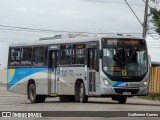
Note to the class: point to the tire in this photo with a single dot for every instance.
(122, 100)
(32, 94)
(83, 98)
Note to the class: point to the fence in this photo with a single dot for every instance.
(154, 85)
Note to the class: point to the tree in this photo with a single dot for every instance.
(156, 19)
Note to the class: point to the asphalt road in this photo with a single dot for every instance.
(17, 102)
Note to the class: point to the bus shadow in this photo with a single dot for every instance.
(143, 104)
(99, 102)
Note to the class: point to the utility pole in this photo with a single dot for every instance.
(145, 23)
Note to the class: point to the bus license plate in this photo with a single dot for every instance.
(134, 85)
(126, 93)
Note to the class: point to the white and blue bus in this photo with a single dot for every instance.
(81, 67)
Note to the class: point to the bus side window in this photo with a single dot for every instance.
(62, 57)
(11, 57)
(38, 56)
(26, 54)
(78, 54)
(41, 56)
(14, 57)
(35, 56)
(92, 59)
(65, 55)
(91, 62)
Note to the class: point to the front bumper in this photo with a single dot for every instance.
(139, 91)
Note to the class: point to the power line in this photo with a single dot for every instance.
(8, 29)
(134, 13)
(18, 30)
(122, 3)
(22, 34)
(152, 36)
(35, 29)
(27, 29)
(62, 27)
(51, 30)
(85, 32)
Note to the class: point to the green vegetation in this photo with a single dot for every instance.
(151, 97)
(156, 19)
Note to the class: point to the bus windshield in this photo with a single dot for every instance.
(124, 61)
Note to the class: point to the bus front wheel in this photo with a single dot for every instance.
(122, 100)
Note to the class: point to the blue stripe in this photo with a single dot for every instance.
(21, 73)
(116, 84)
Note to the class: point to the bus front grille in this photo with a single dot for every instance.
(121, 90)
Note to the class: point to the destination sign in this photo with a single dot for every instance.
(131, 42)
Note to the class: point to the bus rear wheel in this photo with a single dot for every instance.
(82, 96)
(32, 94)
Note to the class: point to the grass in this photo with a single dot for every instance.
(151, 97)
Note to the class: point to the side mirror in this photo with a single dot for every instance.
(100, 53)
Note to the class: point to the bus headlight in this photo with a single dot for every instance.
(145, 83)
(106, 82)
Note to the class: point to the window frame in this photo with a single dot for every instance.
(68, 47)
(9, 58)
(26, 47)
(44, 56)
(75, 54)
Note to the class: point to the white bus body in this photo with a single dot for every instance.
(77, 68)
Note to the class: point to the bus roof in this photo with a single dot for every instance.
(79, 39)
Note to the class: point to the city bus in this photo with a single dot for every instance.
(76, 68)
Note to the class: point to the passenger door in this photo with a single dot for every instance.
(92, 71)
(53, 56)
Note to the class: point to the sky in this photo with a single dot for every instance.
(69, 15)
(93, 16)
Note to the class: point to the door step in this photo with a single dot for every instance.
(53, 94)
